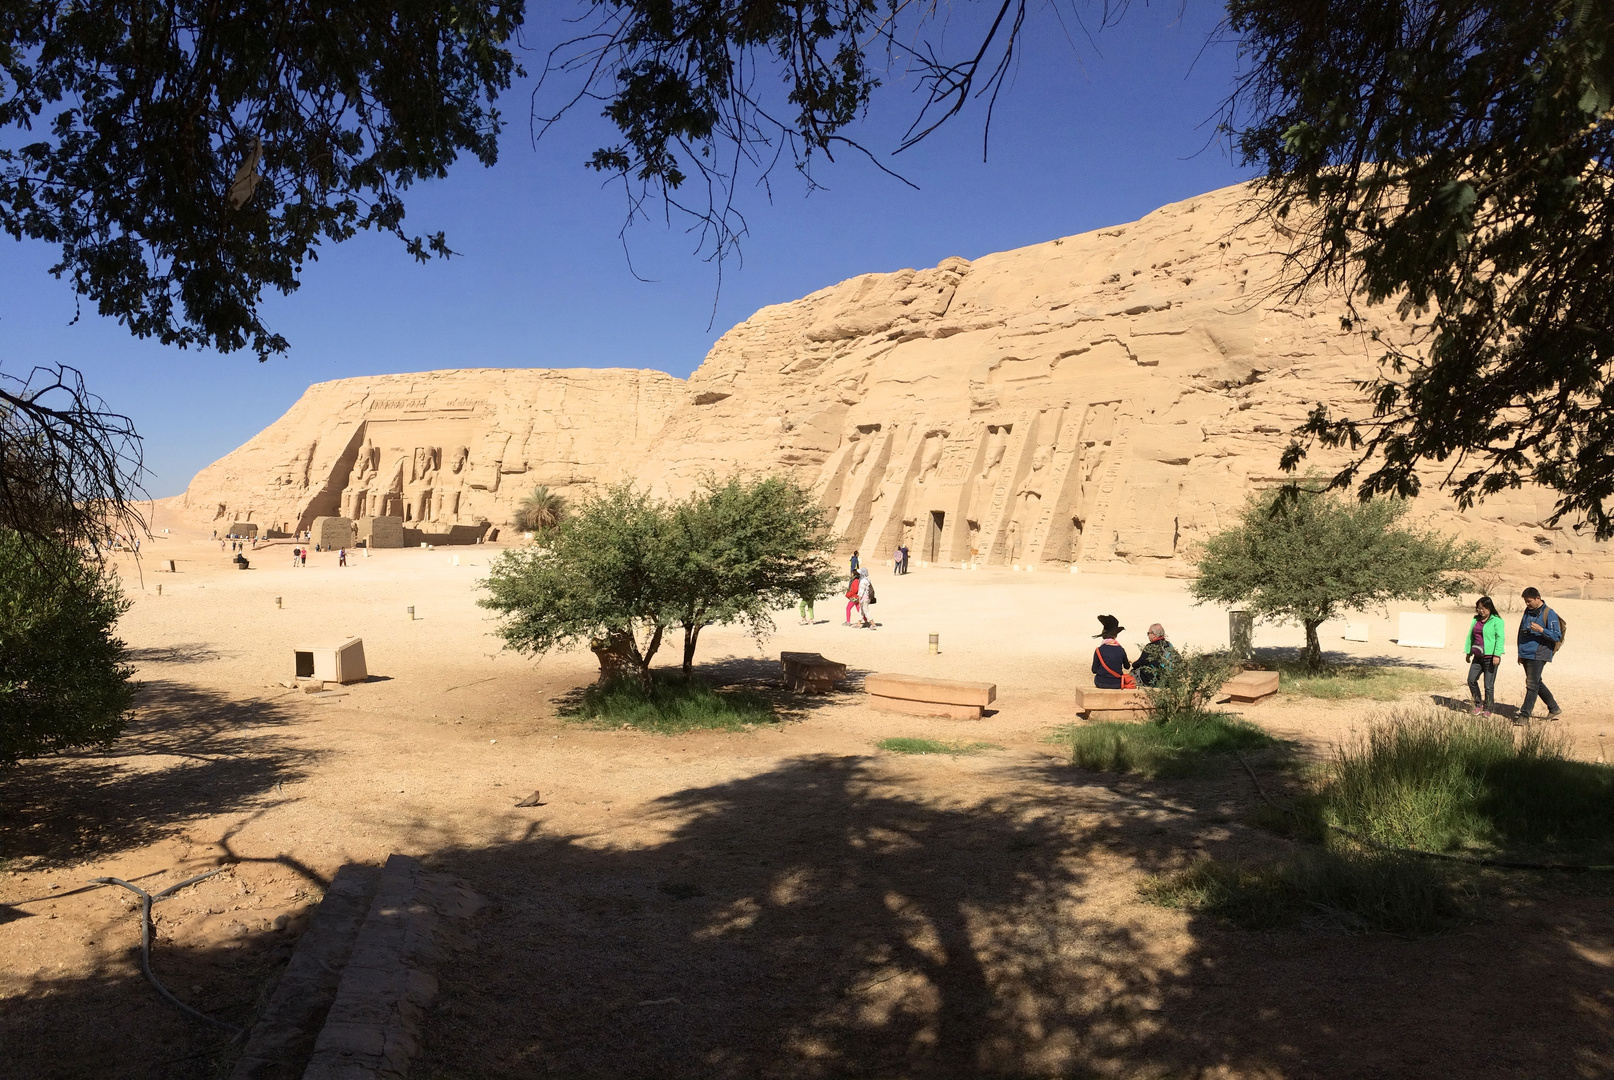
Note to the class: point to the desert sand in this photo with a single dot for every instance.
(787, 902)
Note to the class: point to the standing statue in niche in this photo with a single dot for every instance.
(930, 457)
(997, 443)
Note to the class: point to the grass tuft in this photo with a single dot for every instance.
(1438, 781)
(672, 706)
(1180, 747)
(1355, 891)
(905, 745)
(1376, 682)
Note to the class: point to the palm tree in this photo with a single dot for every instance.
(541, 511)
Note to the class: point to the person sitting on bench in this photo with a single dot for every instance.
(1109, 659)
(241, 563)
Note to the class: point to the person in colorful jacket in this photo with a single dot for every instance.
(1539, 635)
(1487, 641)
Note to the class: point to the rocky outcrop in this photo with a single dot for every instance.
(1101, 401)
(439, 449)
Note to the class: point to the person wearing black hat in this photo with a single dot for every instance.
(1109, 659)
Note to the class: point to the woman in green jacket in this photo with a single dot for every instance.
(1486, 642)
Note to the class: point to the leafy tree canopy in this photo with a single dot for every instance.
(63, 682)
(624, 569)
(186, 155)
(1452, 158)
(1305, 556)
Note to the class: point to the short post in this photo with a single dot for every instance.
(1240, 631)
(935, 644)
(277, 602)
(159, 588)
(411, 610)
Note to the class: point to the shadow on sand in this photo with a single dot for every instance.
(820, 920)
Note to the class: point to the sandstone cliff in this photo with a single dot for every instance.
(1102, 401)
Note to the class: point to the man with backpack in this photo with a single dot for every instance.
(1541, 635)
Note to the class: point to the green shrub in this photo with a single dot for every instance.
(1439, 781)
(1188, 683)
(1359, 891)
(1177, 748)
(671, 706)
(63, 682)
(905, 745)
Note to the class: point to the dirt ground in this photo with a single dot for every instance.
(788, 902)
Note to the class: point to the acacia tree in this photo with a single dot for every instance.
(63, 682)
(745, 549)
(606, 577)
(1303, 556)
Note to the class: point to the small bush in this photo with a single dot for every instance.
(1177, 748)
(1438, 781)
(1337, 682)
(672, 706)
(1358, 891)
(1188, 684)
(904, 745)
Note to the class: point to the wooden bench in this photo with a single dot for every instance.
(924, 696)
(1097, 703)
(810, 673)
(1249, 686)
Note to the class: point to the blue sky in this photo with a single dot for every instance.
(1083, 137)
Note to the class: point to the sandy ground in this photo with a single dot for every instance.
(788, 902)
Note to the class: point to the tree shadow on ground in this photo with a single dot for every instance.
(188, 753)
(824, 919)
(1334, 659)
(186, 652)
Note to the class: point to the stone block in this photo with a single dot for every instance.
(810, 673)
(331, 533)
(925, 708)
(1099, 703)
(940, 691)
(1250, 686)
(1355, 631)
(381, 532)
(342, 663)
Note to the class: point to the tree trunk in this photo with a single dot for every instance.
(645, 681)
(691, 633)
(615, 654)
(1314, 647)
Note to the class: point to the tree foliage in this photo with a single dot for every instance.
(541, 510)
(186, 155)
(63, 682)
(1452, 158)
(1304, 556)
(747, 548)
(624, 569)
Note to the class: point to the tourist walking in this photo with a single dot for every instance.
(854, 564)
(865, 597)
(295, 552)
(804, 611)
(903, 551)
(305, 556)
(1541, 633)
(341, 557)
(1155, 659)
(1487, 641)
(851, 596)
(1109, 659)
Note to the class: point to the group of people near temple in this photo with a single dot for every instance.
(1539, 638)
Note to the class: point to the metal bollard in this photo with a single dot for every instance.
(277, 602)
(411, 610)
(935, 644)
(159, 588)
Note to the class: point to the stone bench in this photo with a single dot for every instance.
(924, 696)
(810, 673)
(1250, 686)
(1097, 703)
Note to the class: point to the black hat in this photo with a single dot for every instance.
(1111, 625)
